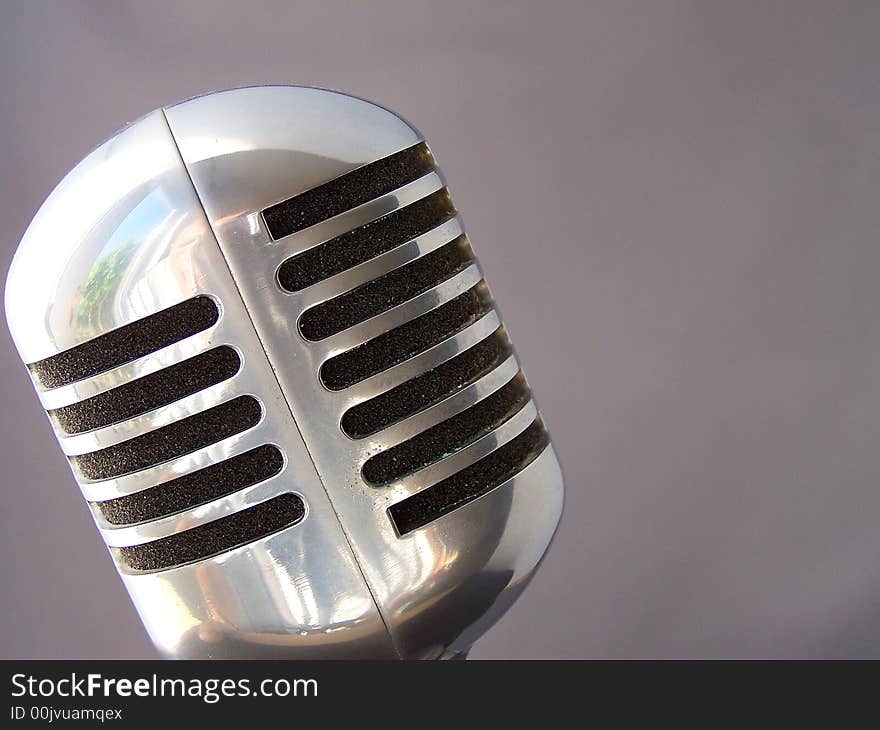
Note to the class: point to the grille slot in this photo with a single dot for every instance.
(361, 244)
(399, 344)
(471, 482)
(386, 292)
(149, 392)
(348, 191)
(427, 389)
(195, 488)
(449, 436)
(214, 537)
(171, 441)
(126, 343)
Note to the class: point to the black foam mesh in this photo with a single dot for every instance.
(126, 343)
(195, 488)
(361, 244)
(214, 537)
(149, 392)
(470, 483)
(348, 191)
(431, 387)
(386, 291)
(448, 436)
(409, 339)
(168, 442)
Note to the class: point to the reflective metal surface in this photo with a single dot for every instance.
(127, 222)
(441, 585)
(170, 208)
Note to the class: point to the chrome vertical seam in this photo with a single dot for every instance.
(356, 557)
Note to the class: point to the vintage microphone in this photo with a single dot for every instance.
(269, 355)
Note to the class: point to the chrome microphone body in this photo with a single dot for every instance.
(270, 357)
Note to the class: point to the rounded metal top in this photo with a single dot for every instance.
(297, 137)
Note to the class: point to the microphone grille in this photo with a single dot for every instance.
(428, 297)
(105, 442)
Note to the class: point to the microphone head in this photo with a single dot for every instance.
(271, 359)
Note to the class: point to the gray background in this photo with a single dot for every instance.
(676, 204)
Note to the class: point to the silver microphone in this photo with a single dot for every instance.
(269, 355)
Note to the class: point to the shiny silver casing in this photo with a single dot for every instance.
(182, 189)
